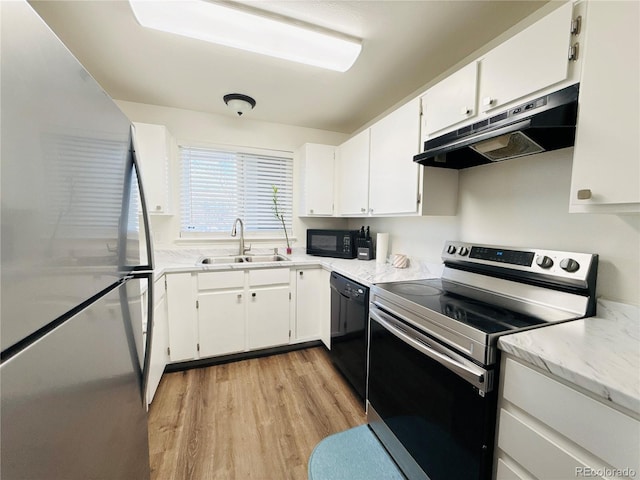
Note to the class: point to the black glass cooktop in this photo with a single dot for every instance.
(433, 295)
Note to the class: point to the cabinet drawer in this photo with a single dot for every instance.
(216, 280)
(505, 472)
(607, 433)
(535, 452)
(268, 276)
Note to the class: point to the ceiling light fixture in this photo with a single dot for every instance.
(239, 103)
(246, 29)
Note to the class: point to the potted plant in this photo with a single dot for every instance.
(280, 217)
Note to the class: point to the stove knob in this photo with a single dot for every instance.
(569, 265)
(451, 249)
(464, 251)
(544, 262)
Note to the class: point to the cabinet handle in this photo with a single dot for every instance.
(253, 294)
(584, 194)
(363, 210)
(465, 111)
(311, 210)
(158, 207)
(488, 101)
(239, 296)
(371, 210)
(301, 273)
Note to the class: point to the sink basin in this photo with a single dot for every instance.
(265, 258)
(220, 260)
(243, 259)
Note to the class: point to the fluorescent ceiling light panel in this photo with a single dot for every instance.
(238, 28)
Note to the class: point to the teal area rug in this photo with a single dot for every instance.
(355, 454)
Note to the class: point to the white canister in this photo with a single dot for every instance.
(382, 247)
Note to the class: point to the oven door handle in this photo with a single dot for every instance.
(474, 375)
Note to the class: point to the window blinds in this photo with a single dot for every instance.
(218, 186)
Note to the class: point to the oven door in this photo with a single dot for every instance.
(433, 409)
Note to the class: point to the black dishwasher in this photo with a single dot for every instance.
(350, 330)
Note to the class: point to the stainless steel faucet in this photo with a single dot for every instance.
(242, 250)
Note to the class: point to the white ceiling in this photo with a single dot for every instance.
(405, 45)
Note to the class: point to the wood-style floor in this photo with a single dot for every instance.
(251, 419)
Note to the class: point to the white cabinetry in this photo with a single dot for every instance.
(153, 147)
(530, 61)
(268, 310)
(451, 101)
(159, 340)
(310, 299)
(377, 175)
(221, 313)
(316, 179)
(181, 317)
(393, 175)
(606, 161)
(549, 430)
(352, 168)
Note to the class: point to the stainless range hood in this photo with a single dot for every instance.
(546, 123)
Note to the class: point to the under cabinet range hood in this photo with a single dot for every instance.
(543, 124)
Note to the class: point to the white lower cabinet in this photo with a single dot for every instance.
(221, 313)
(548, 430)
(159, 341)
(309, 302)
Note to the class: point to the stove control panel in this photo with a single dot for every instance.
(565, 265)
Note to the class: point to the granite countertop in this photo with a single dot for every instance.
(367, 272)
(601, 354)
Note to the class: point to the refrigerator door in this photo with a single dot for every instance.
(69, 203)
(72, 404)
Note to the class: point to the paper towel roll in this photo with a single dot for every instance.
(382, 247)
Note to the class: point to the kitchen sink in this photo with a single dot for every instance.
(241, 259)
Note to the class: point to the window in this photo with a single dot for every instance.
(218, 186)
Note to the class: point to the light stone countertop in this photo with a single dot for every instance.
(600, 354)
(367, 272)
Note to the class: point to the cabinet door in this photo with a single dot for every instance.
(268, 317)
(221, 322)
(532, 60)
(317, 177)
(159, 341)
(451, 101)
(153, 146)
(309, 306)
(182, 320)
(325, 307)
(393, 174)
(606, 169)
(352, 168)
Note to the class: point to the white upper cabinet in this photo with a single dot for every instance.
(451, 101)
(536, 58)
(606, 161)
(352, 168)
(393, 175)
(316, 179)
(153, 143)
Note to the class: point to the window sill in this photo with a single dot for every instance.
(231, 240)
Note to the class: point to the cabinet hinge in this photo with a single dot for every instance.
(168, 351)
(573, 52)
(289, 334)
(197, 304)
(419, 198)
(576, 25)
(198, 346)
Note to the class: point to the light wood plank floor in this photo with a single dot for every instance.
(251, 419)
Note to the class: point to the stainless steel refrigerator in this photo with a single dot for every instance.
(74, 268)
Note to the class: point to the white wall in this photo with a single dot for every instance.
(524, 203)
(198, 128)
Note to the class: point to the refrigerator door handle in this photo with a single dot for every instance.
(143, 201)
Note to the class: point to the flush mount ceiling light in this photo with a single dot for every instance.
(239, 103)
(248, 30)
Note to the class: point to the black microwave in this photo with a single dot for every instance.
(332, 243)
